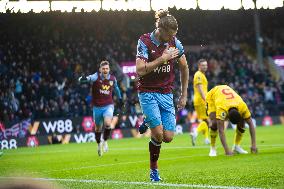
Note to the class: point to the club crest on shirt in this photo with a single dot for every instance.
(223, 115)
(172, 48)
(111, 83)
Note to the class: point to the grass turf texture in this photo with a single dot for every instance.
(128, 160)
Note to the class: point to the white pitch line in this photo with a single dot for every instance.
(131, 183)
(125, 163)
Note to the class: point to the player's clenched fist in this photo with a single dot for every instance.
(181, 102)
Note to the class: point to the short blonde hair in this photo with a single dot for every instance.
(165, 20)
(103, 63)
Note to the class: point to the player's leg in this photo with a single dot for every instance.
(107, 131)
(204, 128)
(194, 133)
(114, 120)
(213, 133)
(238, 137)
(211, 111)
(168, 118)
(108, 115)
(169, 125)
(154, 150)
(153, 118)
(167, 129)
(98, 118)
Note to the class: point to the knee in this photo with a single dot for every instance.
(98, 129)
(241, 125)
(107, 123)
(240, 129)
(167, 139)
(158, 137)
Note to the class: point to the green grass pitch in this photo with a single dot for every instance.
(126, 165)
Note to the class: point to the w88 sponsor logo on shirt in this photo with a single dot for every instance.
(163, 69)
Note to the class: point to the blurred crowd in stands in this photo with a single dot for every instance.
(42, 56)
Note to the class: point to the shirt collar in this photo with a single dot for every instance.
(201, 72)
(155, 40)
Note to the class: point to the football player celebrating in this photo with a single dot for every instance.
(103, 84)
(157, 53)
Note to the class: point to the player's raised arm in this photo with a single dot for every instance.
(83, 79)
(252, 135)
(221, 128)
(90, 78)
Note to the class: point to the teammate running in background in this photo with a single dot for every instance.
(200, 86)
(157, 54)
(103, 84)
(224, 103)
